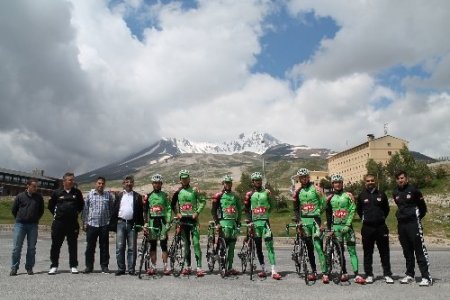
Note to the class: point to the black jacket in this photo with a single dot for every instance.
(410, 202)
(372, 207)
(66, 206)
(138, 212)
(28, 208)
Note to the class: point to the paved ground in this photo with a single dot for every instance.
(100, 286)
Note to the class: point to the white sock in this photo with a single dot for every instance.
(273, 269)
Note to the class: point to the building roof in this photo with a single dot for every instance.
(24, 174)
(366, 143)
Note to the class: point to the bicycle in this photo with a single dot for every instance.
(248, 250)
(144, 250)
(176, 249)
(300, 252)
(334, 255)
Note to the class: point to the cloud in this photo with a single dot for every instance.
(81, 88)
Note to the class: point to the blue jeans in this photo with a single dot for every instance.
(126, 235)
(30, 230)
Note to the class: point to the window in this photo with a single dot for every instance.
(389, 153)
(389, 144)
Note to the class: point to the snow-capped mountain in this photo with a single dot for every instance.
(255, 142)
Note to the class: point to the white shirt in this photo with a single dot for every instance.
(126, 206)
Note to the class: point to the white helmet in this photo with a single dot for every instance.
(157, 178)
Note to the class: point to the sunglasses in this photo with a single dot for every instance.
(370, 180)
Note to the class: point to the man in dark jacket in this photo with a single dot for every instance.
(373, 209)
(127, 212)
(28, 209)
(411, 210)
(65, 204)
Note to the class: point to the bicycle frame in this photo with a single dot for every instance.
(300, 252)
(334, 253)
(248, 250)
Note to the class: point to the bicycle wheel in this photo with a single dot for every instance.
(251, 256)
(296, 255)
(143, 255)
(176, 256)
(210, 256)
(304, 259)
(222, 251)
(243, 256)
(334, 260)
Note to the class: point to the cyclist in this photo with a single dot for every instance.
(226, 211)
(187, 203)
(309, 204)
(257, 207)
(340, 209)
(157, 214)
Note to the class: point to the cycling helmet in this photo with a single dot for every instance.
(303, 172)
(227, 178)
(183, 174)
(157, 178)
(256, 176)
(336, 178)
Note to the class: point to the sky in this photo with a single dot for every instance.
(84, 83)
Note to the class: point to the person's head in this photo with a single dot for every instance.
(401, 177)
(227, 182)
(32, 185)
(100, 184)
(128, 183)
(68, 180)
(185, 177)
(303, 176)
(337, 181)
(370, 181)
(256, 178)
(157, 181)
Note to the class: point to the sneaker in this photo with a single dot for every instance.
(151, 271)
(74, 270)
(407, 280)
(200, 273)
(344, 277)
(312, 277)
(262, 274)
(425, 282)
(132, 272)
(276, 276)
(13, 272)
(87, 270)
(389, 279)
(359, 279)
(325, 279)
(120, 273)
(105, 270)
(369, 279)
(30, 272)
(186, 271)
(53, 271)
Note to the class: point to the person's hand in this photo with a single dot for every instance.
(178, 216)
(145, 231)
(195, 216)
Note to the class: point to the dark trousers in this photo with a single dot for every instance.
(92, 234)
(410, 235)
(379, 235)
(61, 230)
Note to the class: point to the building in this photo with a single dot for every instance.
(351, 163)
(13, 182)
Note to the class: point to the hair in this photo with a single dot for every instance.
(369, 175)
(400, 173)
(129, 177)
(68, 174)
(101, 178)
(31, 180)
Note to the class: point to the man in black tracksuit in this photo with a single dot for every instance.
(65, 204)
(373, 209)
(411, 210)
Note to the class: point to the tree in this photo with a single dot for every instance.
(379, 171)
(244, 186)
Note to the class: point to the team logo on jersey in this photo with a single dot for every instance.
(259, 210)
(341, 213)
(186, 207)
(309, 207)
(230, 210)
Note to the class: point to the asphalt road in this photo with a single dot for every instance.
(65, 285)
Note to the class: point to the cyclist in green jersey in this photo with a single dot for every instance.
(226, 211)
(157, 215)
(187, 203)
(257, 208)
(309, 204)
(340, 210)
